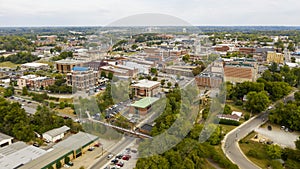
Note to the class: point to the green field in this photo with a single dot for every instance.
(8, 64)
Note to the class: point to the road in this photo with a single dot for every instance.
(230, 144)
(114, 150)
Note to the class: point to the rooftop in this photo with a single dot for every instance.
(146, 83)
(69, 61)
(17, 154)
(4, 137)
(76, 141)
(145, 102)
(76, 68)
(57, 131)
(33, 64)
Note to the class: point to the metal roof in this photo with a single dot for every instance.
(18, 154)
(76, 68)
(76, 141)
(145, 102)
(4, 137)
(57, 131)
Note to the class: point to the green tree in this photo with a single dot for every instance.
(103, 74)
(162, 82)
(297, 143)
(186, 58)
(291, 47)
(24, 91)
(169, 84)
(257, 102)
(274, 151)
(293, 59)
(58, 164)
(110, 75)
(297, 96)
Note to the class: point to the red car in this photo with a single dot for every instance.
(125, 158)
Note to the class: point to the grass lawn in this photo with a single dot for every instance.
(262, 160)
(8, 64)
(227, 128)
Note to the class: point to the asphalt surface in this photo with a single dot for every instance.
(114, 150)
(231, 147)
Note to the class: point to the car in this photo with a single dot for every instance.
(36, 145)
(91, 148)
(119, 156)
(134, 150)
(29, 102)
(97, 145)
(109, 156)
(114, 161)
(121, 164)
(66, 166)
(125, 158)
(70, 163)
(107, 167)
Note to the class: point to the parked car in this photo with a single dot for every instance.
(269, 127)
(114, 161)
(97, 145)
(119, 156)
(66, 166)
(110, 156)
(36, 145)
(121, 164)
(125, 158)
(91, 148)
(70, 163)
(134, 150)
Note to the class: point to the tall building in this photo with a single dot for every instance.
(66, 65)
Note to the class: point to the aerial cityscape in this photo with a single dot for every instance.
(106, 85)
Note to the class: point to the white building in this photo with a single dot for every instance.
(35, 66)
(55, 134)
(5, 140)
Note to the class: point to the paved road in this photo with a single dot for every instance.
(115, 150)
(230, 144)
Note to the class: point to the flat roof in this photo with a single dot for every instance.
(46, 159)
(145, 83)
(4, 137)
(145, 102)
(20, 155)
(33, 64)
(69, 61)
(77, 68)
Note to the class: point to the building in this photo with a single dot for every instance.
(146, 129)
(248, 51)
(35, 66)
(141, 68)
(34, 83)
(72, 147)
(5, 140)
(55, 134)
(240, 70)
(67, 65)
(18, 154)
(82, 78)
(143, 106)
(115, 71)
(180, 70)
(229, 117)
(209, 80)
(275, 57)
(145, 88)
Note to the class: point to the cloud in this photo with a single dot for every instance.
(103, 12)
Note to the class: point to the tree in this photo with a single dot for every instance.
(134, 46)
(257, 102)
(162, 82)
(273, 67)
(293, 59)
(291, 47)
(58, 164)
(9, 91)
(153, 71)
(196, 71)
(169, 84)
(103, 74)
(154, 78)
(274, 151)
(297, 96)
(297, 143)
(24, 91)
(227, 109)
(186, 58)
(110, 75)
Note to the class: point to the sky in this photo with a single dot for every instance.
(105, 12)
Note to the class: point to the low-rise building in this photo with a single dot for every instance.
(34, 83)
(72, 147)
(143, 106)
(229, 117)
(56, 134)
(145, 88)
(5, 140)
(209, 80)
(35, 66)
(18, 154)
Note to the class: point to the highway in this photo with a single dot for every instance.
(230, 144)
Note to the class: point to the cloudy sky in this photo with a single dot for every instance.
(103, 12)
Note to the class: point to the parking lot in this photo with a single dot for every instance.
(279, 136)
